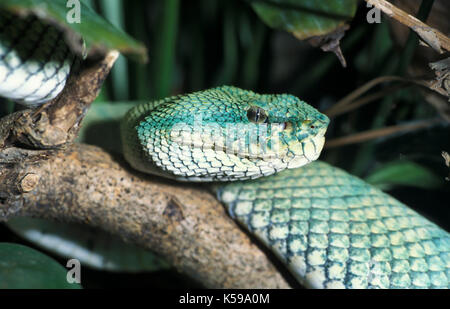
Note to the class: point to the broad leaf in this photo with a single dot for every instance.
(25, 268)
(406, 173)
(305, 18)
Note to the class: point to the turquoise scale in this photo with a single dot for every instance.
(333, 230)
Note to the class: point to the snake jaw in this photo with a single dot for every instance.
(306, 139)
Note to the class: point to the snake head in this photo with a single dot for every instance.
(227, 133)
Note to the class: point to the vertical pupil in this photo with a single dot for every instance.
(256, 114)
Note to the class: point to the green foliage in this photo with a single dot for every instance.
(74, 241)
(404, 173)
(112, 11)
(25, 268)
(165, 49)
(305, 18)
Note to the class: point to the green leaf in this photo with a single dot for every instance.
(96, 31)
(92, 247)
(305, 18)
(25, 268)
(406, 173)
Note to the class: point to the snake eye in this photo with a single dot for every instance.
(256, 114)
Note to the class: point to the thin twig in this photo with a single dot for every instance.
(365, 100)
(364, 88)
(360, 91)
(348, 103)
(434, 38)
(383, 132)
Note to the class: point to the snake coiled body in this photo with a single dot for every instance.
(35, 61)
(331, 229)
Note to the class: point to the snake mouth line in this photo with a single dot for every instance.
(260, 142)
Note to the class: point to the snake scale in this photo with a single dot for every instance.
(331, 229)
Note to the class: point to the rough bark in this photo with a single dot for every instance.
(186, 225)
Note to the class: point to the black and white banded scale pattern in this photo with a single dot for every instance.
(35, 61)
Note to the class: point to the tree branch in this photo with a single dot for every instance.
(186, 225)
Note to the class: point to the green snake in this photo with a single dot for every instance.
(330, 229)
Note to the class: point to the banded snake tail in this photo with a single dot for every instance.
(330, 229)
